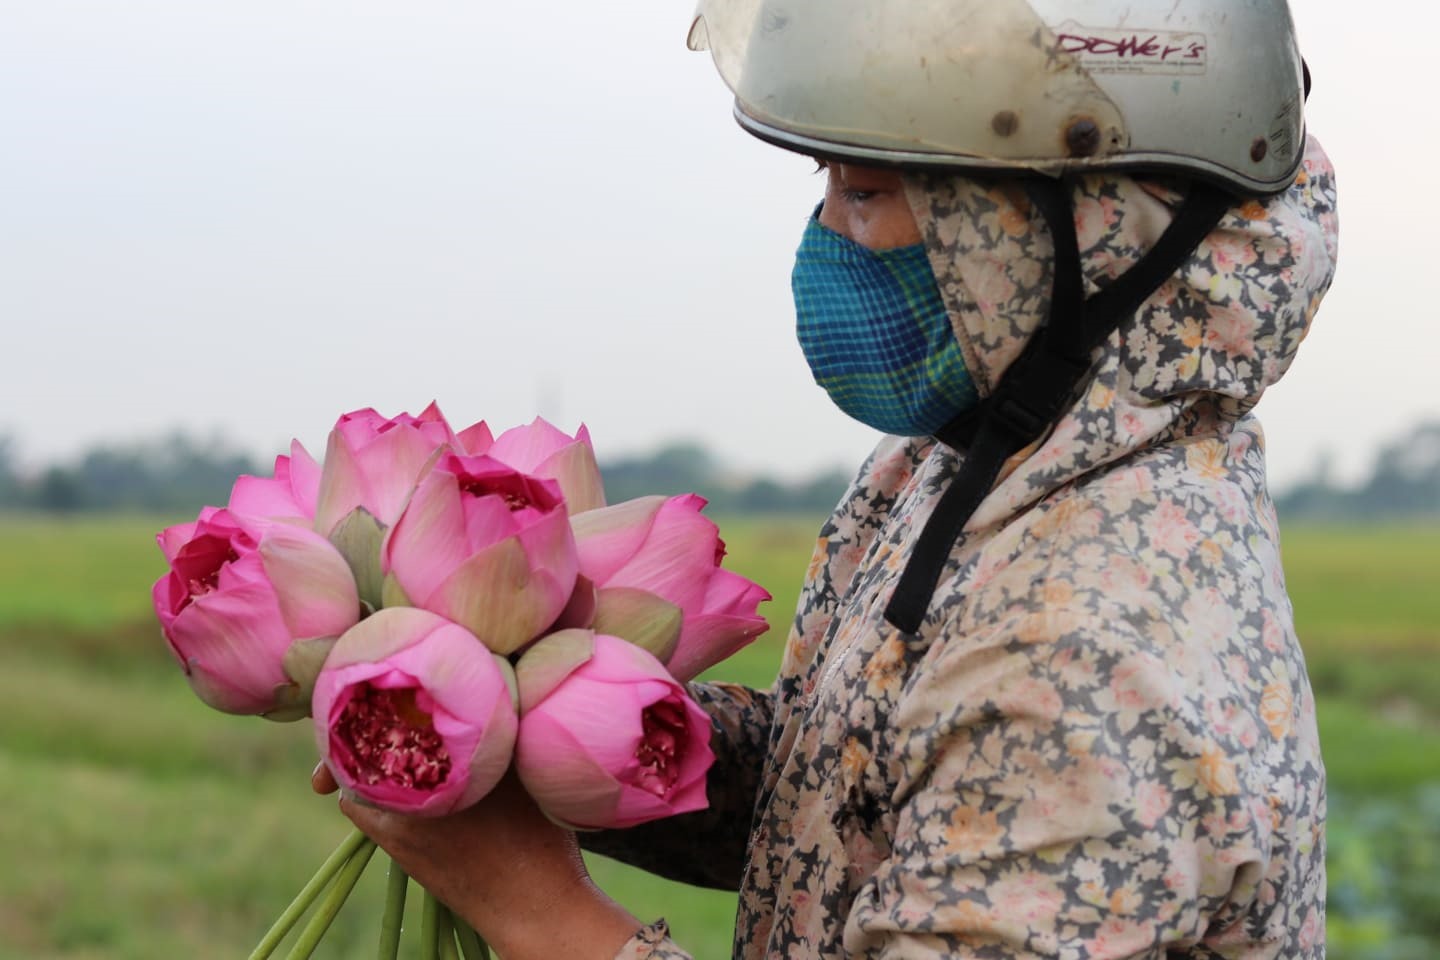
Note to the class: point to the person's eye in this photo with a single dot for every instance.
(856, 196)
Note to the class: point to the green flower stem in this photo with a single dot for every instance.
(446, 925)
(430, 928)
(307, 894)
(470, 943)
(315, 929)
(396, 886)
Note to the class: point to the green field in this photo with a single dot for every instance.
(139, 824)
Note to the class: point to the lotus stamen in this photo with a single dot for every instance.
(662, 747)
(391, 739)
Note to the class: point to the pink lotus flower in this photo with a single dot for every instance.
(541, 450)
(485, 546)
(373, 462)
(289, 493)
(607, 737)
(413, 714)
(250, 607)
(664, 548)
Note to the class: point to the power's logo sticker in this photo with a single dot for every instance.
(1107, 50)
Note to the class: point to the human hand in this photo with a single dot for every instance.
(505, 869)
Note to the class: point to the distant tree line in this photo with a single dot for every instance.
(690, 468)
(164, 475)
(1404, 482)
(179, 473)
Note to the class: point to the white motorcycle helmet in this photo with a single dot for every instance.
(1206, 87)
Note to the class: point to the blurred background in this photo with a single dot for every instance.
(223, 224)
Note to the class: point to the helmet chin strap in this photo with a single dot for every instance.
(1042, 382)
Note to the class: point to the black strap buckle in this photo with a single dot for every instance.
(1021, 422)
(1029, 399)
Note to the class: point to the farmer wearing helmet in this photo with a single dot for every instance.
(1042, 696)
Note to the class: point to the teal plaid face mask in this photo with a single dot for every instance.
(876, 334)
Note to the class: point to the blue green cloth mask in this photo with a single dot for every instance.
(876, 333)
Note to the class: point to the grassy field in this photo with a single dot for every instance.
(139, 824)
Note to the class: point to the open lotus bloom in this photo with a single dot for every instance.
(607, 737)
(250, 607)
(289, 493)
(541, 450)
(664, 549)
(485, 546)
(413, 714)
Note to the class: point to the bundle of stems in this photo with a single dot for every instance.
(443, 936)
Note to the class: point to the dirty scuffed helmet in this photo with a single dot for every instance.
(1212, 88)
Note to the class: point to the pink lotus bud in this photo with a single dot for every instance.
(725, 622)
(290, 493)
(541, 450)
(249, 607)
(666, 548)
(485, 546)
(607, 737)
(372, 463)
(413, 714)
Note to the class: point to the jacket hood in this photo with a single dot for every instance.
(1197, 355)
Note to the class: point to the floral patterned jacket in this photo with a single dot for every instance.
(1101, 743)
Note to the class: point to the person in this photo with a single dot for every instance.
(1042, 696)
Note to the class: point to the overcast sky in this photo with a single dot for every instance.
(248, 217)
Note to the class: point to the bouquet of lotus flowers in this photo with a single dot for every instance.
(445, 605)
